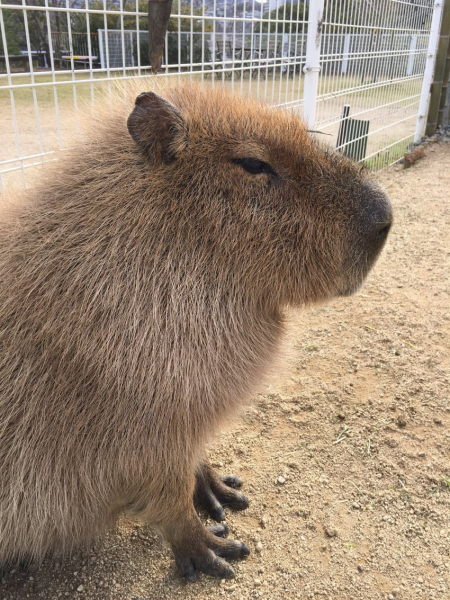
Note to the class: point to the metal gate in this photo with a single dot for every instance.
(328, 60)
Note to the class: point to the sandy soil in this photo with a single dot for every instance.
(356, 424)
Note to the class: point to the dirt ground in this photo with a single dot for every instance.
(345, 456)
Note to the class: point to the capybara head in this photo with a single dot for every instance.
(301, 222)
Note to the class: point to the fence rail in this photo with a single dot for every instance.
(362, 85)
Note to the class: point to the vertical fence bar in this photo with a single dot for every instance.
(89, 48)
(122, 42)
(190, 41)
(11, 97)
(260, 52)
(166, 51)
(312, 67)
(213, 44)
(179, 37)
(101, 50)
(429, 71)
(443, 45)
(138, 39)
(233, 46)
(52, 65)
(106, 48)
(224, 35)
(33, 89)
(252, 51)
(72, 64)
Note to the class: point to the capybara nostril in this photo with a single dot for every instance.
(382, 233)
(377, 220)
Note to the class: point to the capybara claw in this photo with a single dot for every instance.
(234, 550)
(186, 568)
(228, 572)
(214, 509)
(241, 551)
(220, 568)
(231, 481)
(220, 530)
(240, 502)
(213, 492)
(208, 563)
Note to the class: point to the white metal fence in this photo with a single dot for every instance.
(354, 68)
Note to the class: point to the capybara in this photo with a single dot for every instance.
(412, 157)
(142, 288)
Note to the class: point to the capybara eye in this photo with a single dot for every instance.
(254, 166)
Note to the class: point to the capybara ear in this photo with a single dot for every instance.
(157, 126)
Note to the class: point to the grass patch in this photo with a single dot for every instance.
(388, 156)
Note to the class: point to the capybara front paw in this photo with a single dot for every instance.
(209, 558)
(213, 492)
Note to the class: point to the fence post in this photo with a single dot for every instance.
(285, 52)
(132, 48)
(438, 81)
(412, 55)
(100, 48)
(346, 53)
(429, 71)
(444, 105)
(312, 67)
(444, 110)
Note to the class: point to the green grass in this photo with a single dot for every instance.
(331, 86)
(388, 156)
(64, 85)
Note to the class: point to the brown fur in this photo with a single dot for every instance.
(412, 157)
(142, 287)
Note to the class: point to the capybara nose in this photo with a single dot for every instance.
(377, 220)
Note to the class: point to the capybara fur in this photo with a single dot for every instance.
(411, 158)
(142, 289)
